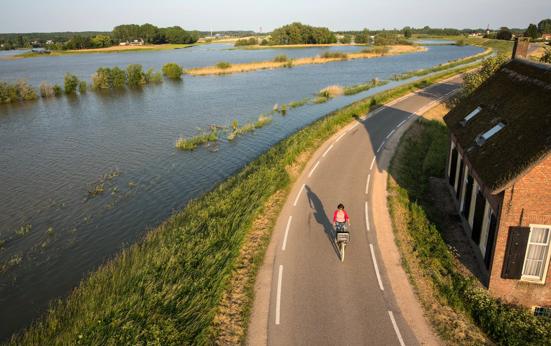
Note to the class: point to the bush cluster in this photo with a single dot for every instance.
(107, 78)
(253, 41)
(298, 33)
(172, 70)
(20, 91)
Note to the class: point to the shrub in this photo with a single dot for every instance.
(71, 83)
(331, 91)
(57, 90)
(172, 70)
(281, 58)
(380, 50)
(46, 89)
(8, 93)
(262, 121)
(546, 57)
(223, 65)
(288, 64)
(346, 39)
(264, 42)
(102, 79)
(246, 42)
(82, 87)
(153, 77)
(334, 55)
(135, 75)
(25, 92)
(193, 142)
(118, 78)
(474, 79)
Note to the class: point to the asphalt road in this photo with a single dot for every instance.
(315, 299)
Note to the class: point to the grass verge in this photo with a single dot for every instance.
(167, 288)
(461, 311)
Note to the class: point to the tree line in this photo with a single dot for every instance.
(150, 34)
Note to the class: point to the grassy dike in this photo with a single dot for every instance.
(167, 288)
(461, 311)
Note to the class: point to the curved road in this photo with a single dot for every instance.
(315, 299)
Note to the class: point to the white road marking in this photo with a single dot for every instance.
(395, 325)
(380, 147)
(372, 163)
(390, 134)
(313, 169)
(298, 195)
(412, 114)
(354, 126)
(341, 136)
(376, 267)
(402, 123)
(366, 217)
(278, 299)
(328, 149)
(367, 184)
(286, 233)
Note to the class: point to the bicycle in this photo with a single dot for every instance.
(342, 238)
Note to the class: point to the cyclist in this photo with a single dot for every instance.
(340, 219)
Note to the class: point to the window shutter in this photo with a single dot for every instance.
(514, 253)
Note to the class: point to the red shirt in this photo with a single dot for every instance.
(335, 215)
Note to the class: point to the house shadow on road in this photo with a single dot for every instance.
(321, 218)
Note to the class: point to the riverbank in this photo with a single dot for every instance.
(168, 287)
(458, 306)
(291, 46)
(286, 63)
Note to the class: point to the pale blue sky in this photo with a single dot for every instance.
(80, 15)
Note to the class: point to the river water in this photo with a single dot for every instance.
(53, 151)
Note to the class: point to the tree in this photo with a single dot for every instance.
(135, 76)
(71, 84)
(504, 34)
(362, 37)
(150, 33)
(532, 32)
(407, 32)
(298, 33)
(473, 80)
(101, 41)
(346, 39)
(544, 26)
(172, 70)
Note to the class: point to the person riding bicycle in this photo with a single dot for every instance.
(340, 219)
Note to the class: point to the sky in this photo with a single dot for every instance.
(103, 15)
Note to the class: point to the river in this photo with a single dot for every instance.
(53, 151)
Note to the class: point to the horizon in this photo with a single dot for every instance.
(263, 16)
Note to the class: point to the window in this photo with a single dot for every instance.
(470, 116)
(542, 311)
(537, 254)
(480, 140)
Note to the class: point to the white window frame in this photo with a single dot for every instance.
(463, 189)
(535, 279)
(470, 215)
(457, 170)
(450, 158)
(485, 229)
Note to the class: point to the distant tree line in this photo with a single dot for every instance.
(298, 33)
(535, 32)
(151, 34)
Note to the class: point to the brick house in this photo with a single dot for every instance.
(499, 170)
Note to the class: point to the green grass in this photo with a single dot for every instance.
(421, 158)
(356, 89)
(166, 288)
(192, 143)
(441, 67)
(262, 121)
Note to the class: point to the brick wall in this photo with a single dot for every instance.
(527, 202)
